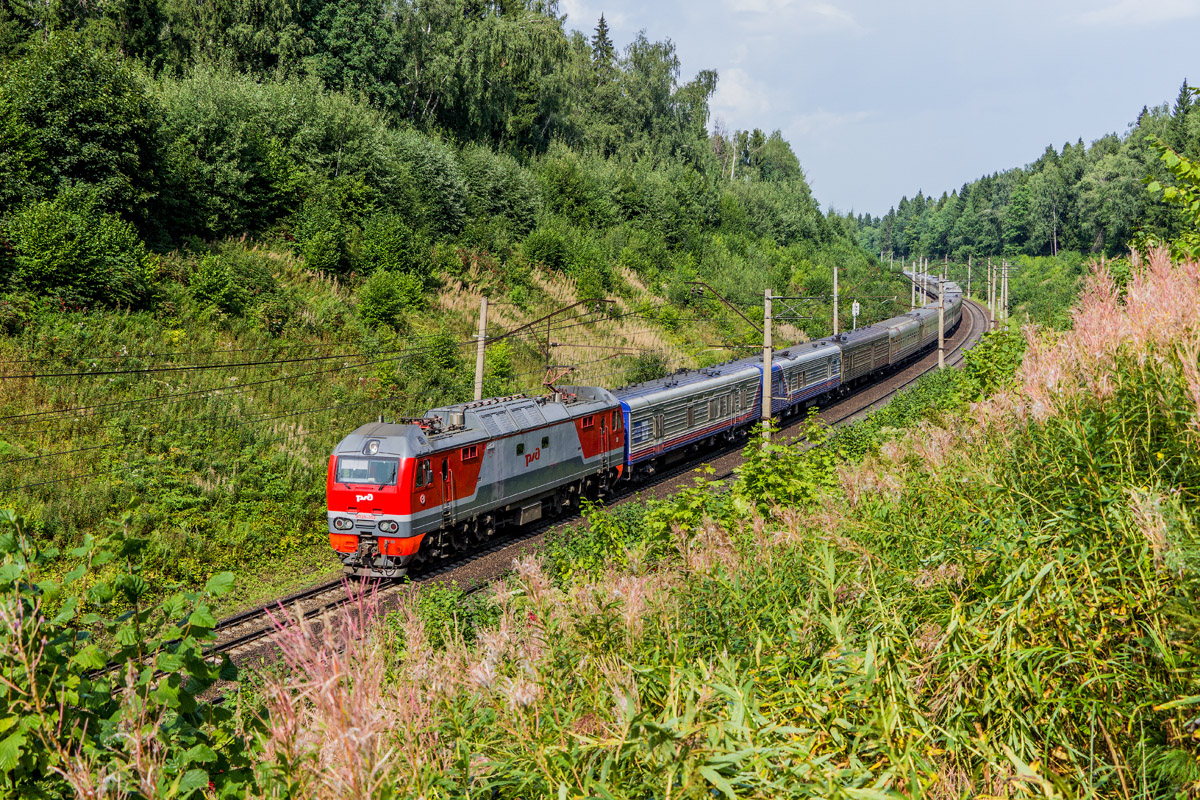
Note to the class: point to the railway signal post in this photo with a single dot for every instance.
(480, 345)
(766, 381)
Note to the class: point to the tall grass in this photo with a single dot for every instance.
(1001, 602)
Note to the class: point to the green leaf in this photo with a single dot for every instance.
(10, 572)
(68, 611)
(219, 584)
(202, 618)
(717, 780)
(89, 657)
(10, 751)
(1180, 702)
(192, 780)
(201, 753)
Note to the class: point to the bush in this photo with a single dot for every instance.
(233, 280)
(385, 297)
(389, 244)
(646, 367)
(70, 249)
(547, 246)
(499, 187)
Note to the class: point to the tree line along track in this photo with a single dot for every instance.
(247, 635)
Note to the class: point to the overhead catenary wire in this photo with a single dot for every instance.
(213, 390)
(211, 427)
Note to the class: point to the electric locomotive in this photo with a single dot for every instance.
(461, 472)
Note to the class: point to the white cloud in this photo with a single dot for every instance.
(1141, 12)
(740, 100)
(583, 16)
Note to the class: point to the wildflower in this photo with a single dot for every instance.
(483, 674)
(520, 694)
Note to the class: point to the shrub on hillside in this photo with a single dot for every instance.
(389, 244)
(385, 297)
(547, 246)
(70, 249)
(233, 279)
(499, 187)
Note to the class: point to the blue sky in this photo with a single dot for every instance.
(880, 99)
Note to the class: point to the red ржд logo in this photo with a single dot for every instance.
(534, 456)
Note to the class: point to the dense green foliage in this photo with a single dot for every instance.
(97, 677)
(1087, 199)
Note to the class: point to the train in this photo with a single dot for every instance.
(400, 493)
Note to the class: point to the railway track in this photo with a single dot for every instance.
(247, 633)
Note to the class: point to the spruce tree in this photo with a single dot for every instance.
(603, 53)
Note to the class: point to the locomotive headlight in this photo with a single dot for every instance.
(387, 526)
(372, 447)
(343, 523)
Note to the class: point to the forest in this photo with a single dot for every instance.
(1083, 199)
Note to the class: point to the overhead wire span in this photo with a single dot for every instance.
(209, 427)
(214, 390)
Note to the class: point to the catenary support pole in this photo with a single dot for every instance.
(1004, 294)
(991, 295)
(480, 345)
(968, 275)
(835, 301)
(767, 388)
(912, 280)
(942, 321)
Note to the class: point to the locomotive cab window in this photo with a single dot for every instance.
(445, 469)
(470, 452)
(424, 474)
(616, 420)
(589, 421)
(376, 471)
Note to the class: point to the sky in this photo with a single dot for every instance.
(882, 99)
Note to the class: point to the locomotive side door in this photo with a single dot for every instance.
(446, 477)
(427, 484)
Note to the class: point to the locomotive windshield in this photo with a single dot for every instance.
(377, 471)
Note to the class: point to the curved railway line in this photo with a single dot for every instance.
(248, 634)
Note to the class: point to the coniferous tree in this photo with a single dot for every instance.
(603, 52)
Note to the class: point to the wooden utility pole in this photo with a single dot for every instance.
(942, 321)
(767, 388)
(480, 344)
(835, 301)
